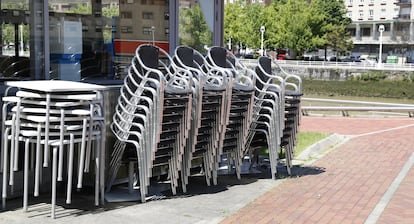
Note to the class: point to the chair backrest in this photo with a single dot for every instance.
(185, 55)
(264, 66)
(218, 56)
(149, 55)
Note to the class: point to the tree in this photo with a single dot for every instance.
(81, 9)
(334, 28)
(242, 23)
(299, 25)
(295, 26)
(109, 13)
(194, 31)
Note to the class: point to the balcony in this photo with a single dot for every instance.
(403, 17)
(403, 2)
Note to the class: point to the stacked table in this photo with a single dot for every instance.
(56, 124)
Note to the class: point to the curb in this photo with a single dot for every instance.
(320, 148)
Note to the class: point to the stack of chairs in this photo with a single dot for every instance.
(285, 87)
(267, 125)
(191, 112)
(207, 123)
(50, 127)
(152, 117)
(239, 100)
(293, 94)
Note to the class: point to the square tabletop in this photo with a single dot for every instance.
(55, 85)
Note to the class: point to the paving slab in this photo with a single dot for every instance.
(372, 169)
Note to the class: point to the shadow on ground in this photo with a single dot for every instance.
(83, 200)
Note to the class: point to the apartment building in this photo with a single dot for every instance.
(396, 16)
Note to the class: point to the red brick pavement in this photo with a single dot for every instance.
(346, 184)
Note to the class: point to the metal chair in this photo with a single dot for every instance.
(268, 113)
(166, 90)
(239, 110)
(207, 115)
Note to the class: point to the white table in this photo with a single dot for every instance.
(49, 87)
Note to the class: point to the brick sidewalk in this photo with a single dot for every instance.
(347, 184)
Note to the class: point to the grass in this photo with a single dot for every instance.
(359, 88)
(306, 139)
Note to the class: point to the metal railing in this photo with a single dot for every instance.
(345, 106)
(340, 65)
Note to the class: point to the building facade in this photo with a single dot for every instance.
(396, 16)
(90, 39)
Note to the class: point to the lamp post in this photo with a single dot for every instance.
(262, 30)
(381, 29)
(153, 35)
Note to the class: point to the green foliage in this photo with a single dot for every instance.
(240, 26)
(372, 76)
(295, 24)
(8, 29)
(375, 87)
(194, 31)
(81, 9)
(111, 11)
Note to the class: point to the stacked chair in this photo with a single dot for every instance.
(268, 115)
(293, 94)
(239, 100)
(208, 112)
(285, 90)
(152, 118)
(190, 113)
(58, 128)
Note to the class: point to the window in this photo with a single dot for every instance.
(148, 15)
(147, 2)
(352, 32)
(147, 30)
(167, 31)
(366, 32)
(349, 14)
(126, 29)
(166, 15)
(396, 12)
(130, 1)
(383, 13)
(361, 14)
(371, 13)
(371, 2)
(126, 15)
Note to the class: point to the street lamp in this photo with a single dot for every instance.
(152, 32)
(262, 30)
(381, 29)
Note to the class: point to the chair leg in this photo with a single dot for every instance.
(98, 166)
(82, 155)
(5, 164)
(38, 162)
(70, 170)
(54, 177)
(26, 175)
(131, 177)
